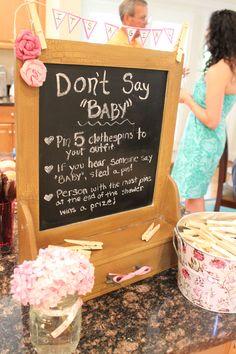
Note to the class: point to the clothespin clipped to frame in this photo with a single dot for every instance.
(86, 253)
(150, 232)
(86, 245)
(36, 22)
(180, 43)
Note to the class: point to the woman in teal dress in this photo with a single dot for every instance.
(214, 95)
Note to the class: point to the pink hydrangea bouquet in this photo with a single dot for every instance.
(56, 273)
(28, 49)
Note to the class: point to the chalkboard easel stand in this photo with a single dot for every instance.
(36, 119)
(27, 228)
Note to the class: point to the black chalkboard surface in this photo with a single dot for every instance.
(99, 134)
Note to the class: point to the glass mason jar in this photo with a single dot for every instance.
(57, 330)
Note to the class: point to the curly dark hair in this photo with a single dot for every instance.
(221, 38)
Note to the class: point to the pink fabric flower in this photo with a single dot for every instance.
(27, 46)
(57, 272)
(33, 72)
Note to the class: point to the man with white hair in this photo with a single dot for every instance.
(133, 13)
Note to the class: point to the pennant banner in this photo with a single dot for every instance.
(144, 33)
(73, 21)
(89, 26)
(110, 29)
(156, 35)
(58, 17)
(170, 33)
(131, 33)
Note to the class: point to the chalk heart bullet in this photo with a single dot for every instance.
(48, 169)
(48, 140)
(48, 197)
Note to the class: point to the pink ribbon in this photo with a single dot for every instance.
(119, 278)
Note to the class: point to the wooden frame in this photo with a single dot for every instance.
(121, 232)
(224, 197)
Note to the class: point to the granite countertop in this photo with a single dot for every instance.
(150, 316)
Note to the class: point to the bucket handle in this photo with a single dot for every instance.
(178, 244)
(175, 242)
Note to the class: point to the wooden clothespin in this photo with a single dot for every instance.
(86, 253)
(150, 232)
(86, 245)
(180, 43)
(36, 22)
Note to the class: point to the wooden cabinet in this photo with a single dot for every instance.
(7, 129)
(232, 349)
(22, 20)
(226, 348)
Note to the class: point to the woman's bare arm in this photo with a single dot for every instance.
(217, 79)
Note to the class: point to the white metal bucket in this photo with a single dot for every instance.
(206, 280)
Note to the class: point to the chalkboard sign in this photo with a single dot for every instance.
(100, 131)
(99, 135)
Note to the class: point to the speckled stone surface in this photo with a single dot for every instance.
(150, 316)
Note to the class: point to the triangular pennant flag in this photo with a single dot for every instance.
(156, 35)
(131, 33)
(110, 30)
(89, 26)
(144, 33)
(73, 20)
(58, 17)
(170, 33)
